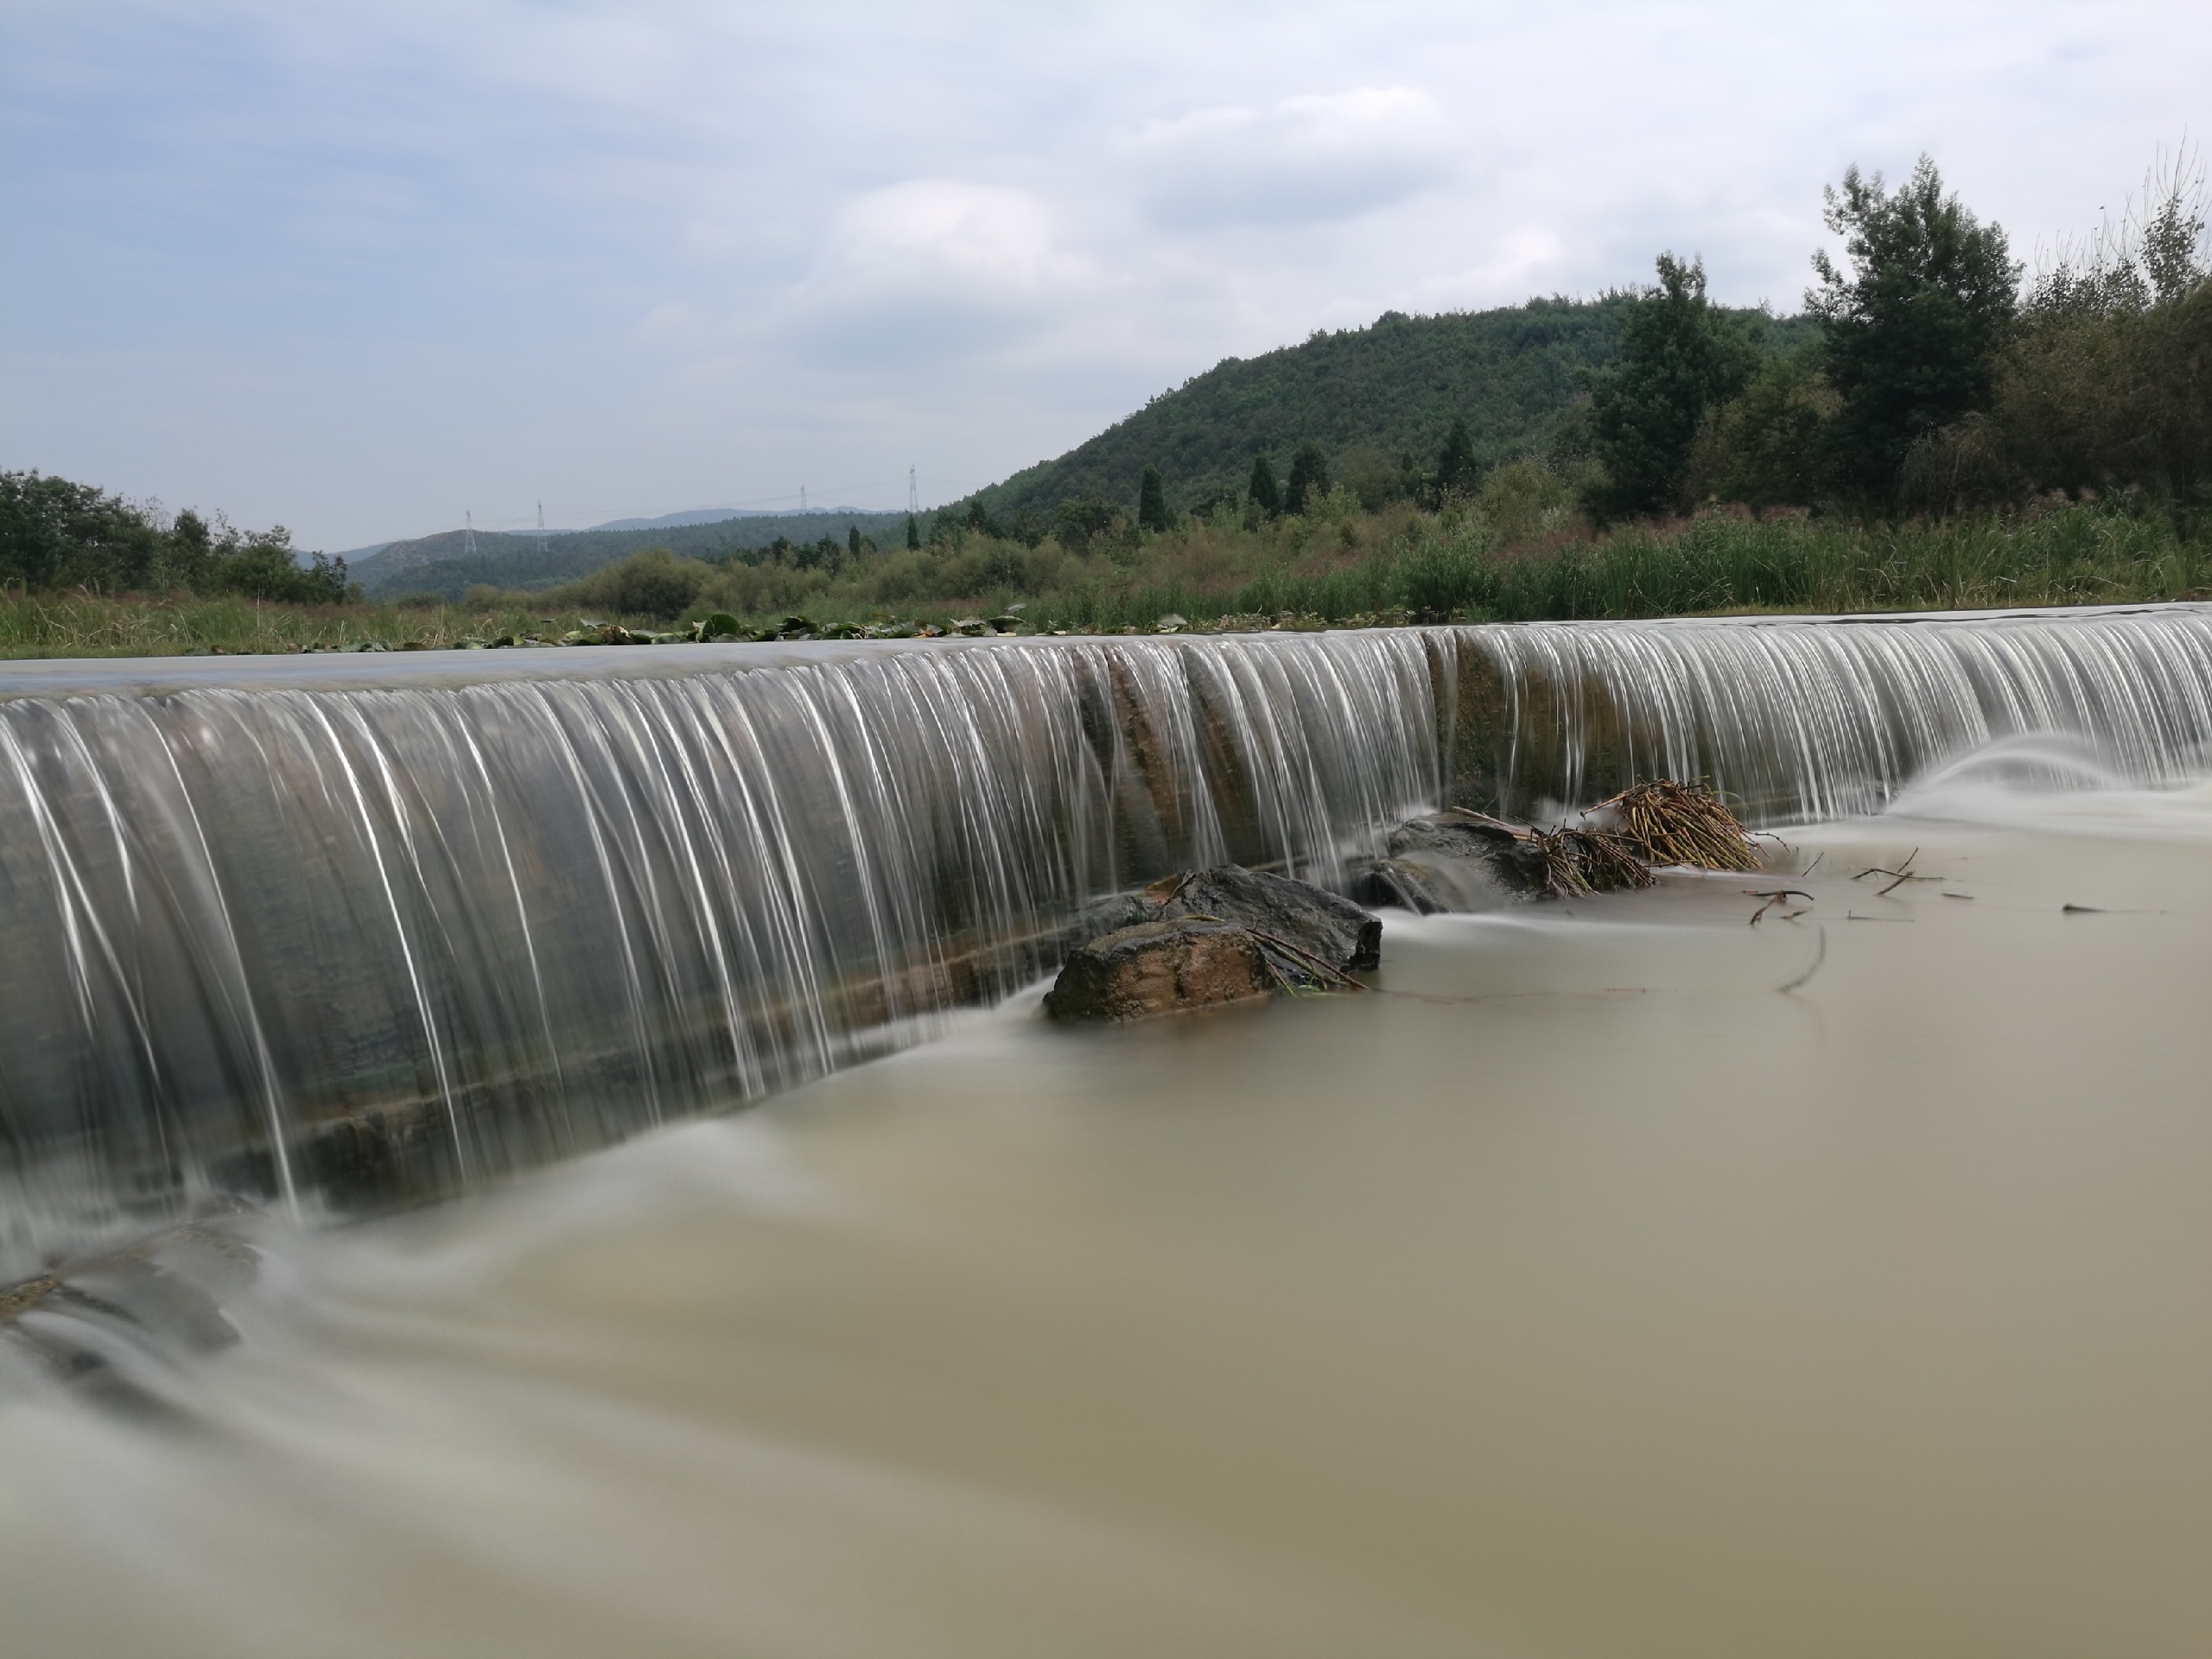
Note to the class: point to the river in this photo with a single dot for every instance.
(1585, 1293)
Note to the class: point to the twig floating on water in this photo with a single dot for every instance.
(1774, 897)
(1902, 873)
(1820, 956)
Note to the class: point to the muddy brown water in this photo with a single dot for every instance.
(1582, 1295)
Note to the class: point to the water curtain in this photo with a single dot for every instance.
(343, 942)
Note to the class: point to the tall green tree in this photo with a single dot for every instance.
(1080, 518)
(1265, 496)
(1457, 473)
(55, 534)
(1309, 478)
(1911, 327)
(1679, 358)
(2107, 381)
(1151, 502)
(913, 534)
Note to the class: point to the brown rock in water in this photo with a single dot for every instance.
(1156, 968)
(1322, 924)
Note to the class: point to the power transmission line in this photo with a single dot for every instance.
(468, 536)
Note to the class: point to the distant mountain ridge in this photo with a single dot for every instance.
(440, 565)
(717, 515)
(1367, 397)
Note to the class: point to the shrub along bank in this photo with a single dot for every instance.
(56, 536)
(1518, 549)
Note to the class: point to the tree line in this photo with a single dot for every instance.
(1940, 381)
(56, 534)
(1927, 377)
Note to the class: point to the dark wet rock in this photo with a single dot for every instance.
(1406, 883)
(1457, 861)
(1313, 921)
(1499, 847)
(1462, 861)
(1161, 966)
(1105, 916)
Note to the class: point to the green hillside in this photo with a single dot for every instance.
(439, 565)
(1367, 396)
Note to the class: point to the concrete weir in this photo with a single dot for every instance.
(354, 933)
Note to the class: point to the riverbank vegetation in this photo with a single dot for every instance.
(1518, 549)
(56, 536)
(1936, 433)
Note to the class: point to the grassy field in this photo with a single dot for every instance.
(1517, 553)
(88, 625)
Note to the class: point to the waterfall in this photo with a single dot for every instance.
(354, 932)
(1804, 720)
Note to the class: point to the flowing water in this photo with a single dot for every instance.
(1623, 1280)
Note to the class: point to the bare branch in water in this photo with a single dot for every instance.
(1774, 897)
(1820, 956)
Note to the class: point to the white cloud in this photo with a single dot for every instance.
(946, 232)
(933, 268)
(1302, 161)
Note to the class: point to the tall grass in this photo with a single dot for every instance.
(2081, 554)
(90, 625)
(1502, 564)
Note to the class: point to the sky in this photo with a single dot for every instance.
(364, 268)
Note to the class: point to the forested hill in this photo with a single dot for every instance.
(1367, 396)
(440, 565)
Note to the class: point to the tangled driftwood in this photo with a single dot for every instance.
(1669, 822)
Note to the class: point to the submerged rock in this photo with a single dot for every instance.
(107, 1325)
(1162, 966)
(1454, 860)
(1460, 860)
(1410, 884)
